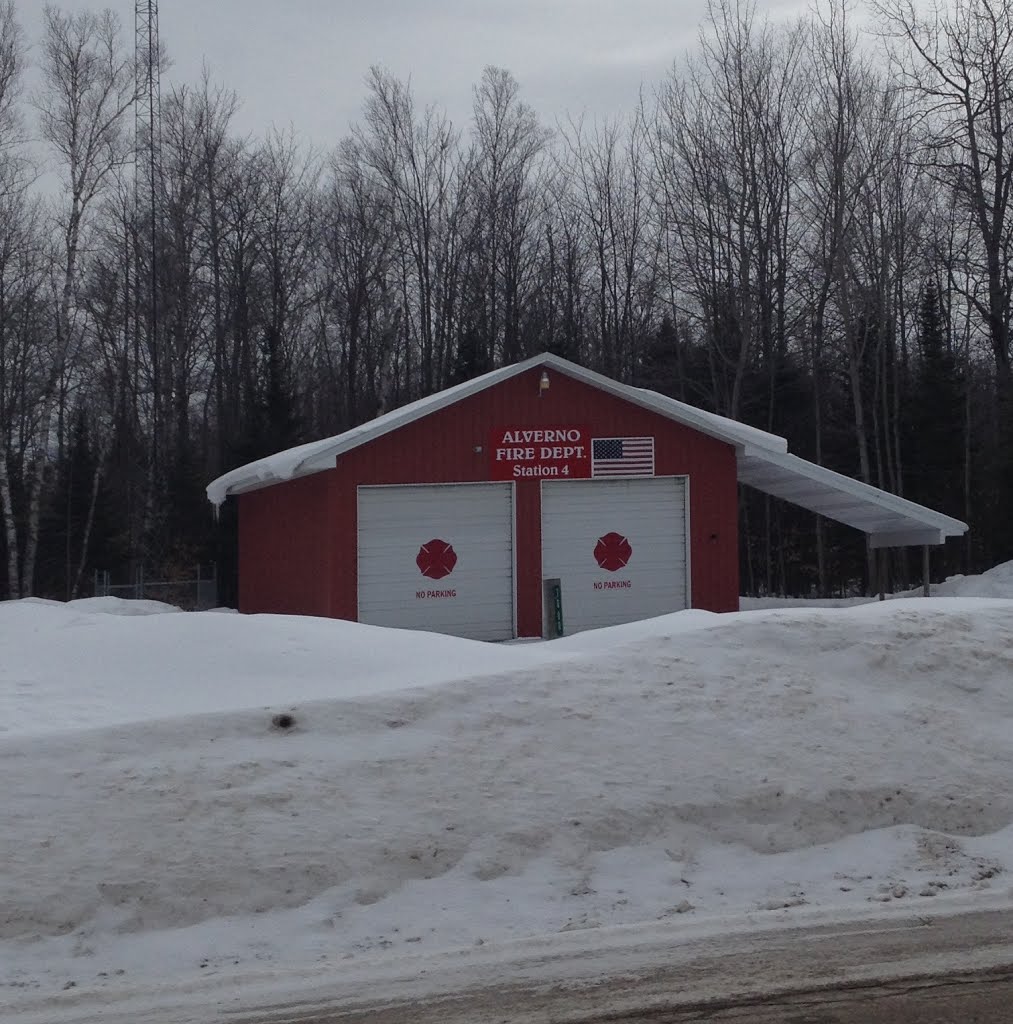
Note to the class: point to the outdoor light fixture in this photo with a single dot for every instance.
(543, 384)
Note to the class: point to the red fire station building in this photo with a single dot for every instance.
(539, 499)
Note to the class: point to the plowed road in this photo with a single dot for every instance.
(958, 999)
(925, 970)
(931, 969)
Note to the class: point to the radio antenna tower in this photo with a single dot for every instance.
(148, 104)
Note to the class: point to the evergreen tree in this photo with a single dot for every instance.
(470, 361)
(272, 424)
(75, 531)
(659, 366)
(935, 414)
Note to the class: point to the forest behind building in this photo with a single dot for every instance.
(806, 226)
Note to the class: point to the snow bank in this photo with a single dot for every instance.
(121, 606)
(996, 582)
(105, 661)
(691, 766)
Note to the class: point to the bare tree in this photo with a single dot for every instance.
(356, 316)
(417, 160)
(851, 115)
(217, 108)
(726, 143)
(11, 64)
(17, 237)
(288, 244)
(565, 258)
(13, 163)
(509, 141)
(610, 190)
(22, 316)
(88, 86)
(854, 128)
(958, 63)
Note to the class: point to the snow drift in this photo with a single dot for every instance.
(433, 792)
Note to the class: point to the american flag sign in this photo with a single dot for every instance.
(622, 456)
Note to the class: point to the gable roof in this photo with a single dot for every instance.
(763, 458)
(320, 455)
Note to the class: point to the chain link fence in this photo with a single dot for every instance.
(195, 594)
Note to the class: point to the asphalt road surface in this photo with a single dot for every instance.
(957, 970)
(956, 999)
(918, 968)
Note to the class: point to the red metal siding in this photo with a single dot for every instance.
(284, 547)
(440, 449)
(298, 539)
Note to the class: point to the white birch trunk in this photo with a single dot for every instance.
(10, 527)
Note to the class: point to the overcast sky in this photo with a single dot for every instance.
(303, 62)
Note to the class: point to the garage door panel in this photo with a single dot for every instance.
(475, 597)
(618, 548)
(375, 540)
(420, 512)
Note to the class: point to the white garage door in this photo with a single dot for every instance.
(618, 548)
(438, 557)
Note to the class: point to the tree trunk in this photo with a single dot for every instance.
(10, 528)
(90, 521)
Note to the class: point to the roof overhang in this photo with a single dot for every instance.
(888, 520)
(318, 456)
(763, 459)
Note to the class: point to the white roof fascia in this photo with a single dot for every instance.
(763, 459)
(320, 455)
(411, 412)
(890, 521)
(720, 427)
(906, 538)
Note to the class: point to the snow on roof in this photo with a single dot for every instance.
(763, 459)
(889, 520)
(320, 455)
